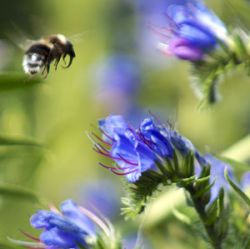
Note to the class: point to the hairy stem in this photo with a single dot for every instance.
(212, 234)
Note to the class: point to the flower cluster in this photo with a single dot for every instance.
(191, 30)
(70, 227)
(154, 155)
(139, 150)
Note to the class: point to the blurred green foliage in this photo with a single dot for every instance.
(56, 112)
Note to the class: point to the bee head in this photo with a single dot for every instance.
(69, 50)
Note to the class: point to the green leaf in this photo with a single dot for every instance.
(12, 81)
(11, 141)
(13, 191)
(237, 189)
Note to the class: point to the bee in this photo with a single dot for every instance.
(41, 53)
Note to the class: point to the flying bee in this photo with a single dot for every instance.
(41, 53)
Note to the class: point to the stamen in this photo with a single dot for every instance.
(100, 139)
(30, 236)
(96, 149)
(127, 161)
(101, 148)
(124, 173)
(161, 31)
(104, 133)
(113, 168)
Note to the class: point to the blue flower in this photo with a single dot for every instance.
(217, 177)
(119, 80)
(119, 72)
(138, 150)
(101, 195)
(192, 30)
(70, 228)
(181, 143)
(245, 181)
(158, 137)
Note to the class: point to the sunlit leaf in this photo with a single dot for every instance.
(7, 140)
(13, 191)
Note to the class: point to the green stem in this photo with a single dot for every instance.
(210, 228)
(239, 151)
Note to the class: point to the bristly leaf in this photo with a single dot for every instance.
(237, 189)
(208, 73)
(140, 192)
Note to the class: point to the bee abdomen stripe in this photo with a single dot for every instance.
(38, 49)
(33, 65)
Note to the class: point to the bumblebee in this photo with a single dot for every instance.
(41, 53)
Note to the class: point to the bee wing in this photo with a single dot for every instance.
(19, 38)
(77, 38)
(24, 45)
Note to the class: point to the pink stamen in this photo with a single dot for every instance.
(146, 141)
(99, 146)
(120, 158)
(161, 31)
(104, 133)
(108, 167)
(113, 168)
(127, 161)
(124, 173)
(30, 236)
(96, 149)
(100, 139)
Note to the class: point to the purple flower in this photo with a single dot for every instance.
(191, 29)
(138, 150)
(67, 228)
(216, 175)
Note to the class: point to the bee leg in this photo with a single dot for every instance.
(70, 61)
(57, 61)
(64, 56)
(46, 70)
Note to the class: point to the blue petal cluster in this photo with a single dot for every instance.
(137, 150)
(69, 228)
(192, 30)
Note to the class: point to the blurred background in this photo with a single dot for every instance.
(43, 122)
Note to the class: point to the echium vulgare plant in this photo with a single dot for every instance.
(154, 155)
(194, 33)
(72, 227)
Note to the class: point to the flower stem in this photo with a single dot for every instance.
(199, 206)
